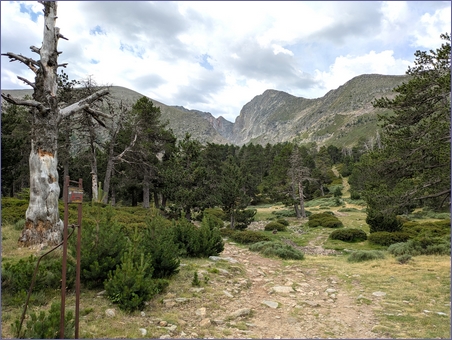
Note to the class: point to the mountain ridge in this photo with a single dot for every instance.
(341, 116)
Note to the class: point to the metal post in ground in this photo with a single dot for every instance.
(63, 273)
(77, 270)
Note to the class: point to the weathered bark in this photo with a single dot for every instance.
(146, 185)
(301, 197)
(43, 224)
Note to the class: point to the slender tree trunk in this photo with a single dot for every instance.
(107, 179)
(146, 186)
(156, 199)
(301, 196)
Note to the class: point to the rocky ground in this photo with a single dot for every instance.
(258, 297)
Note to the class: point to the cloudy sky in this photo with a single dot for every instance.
(217, 56)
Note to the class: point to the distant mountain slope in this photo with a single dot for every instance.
(276, 116)
(340, 117)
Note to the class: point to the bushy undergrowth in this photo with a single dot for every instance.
(285, 213)
(245, 236)
(46, 325)
(217, 212)
(325, 220)
(16, 277)
(103, 243)
(423, 246)
(379, 221)
(13, 209)
(283, 221)
(244, 218)
(384, 238)
(365, 255)
(427, 229)
(275, 226)
(131, 285)
(349, 235)
(192, 241)
(276, 248)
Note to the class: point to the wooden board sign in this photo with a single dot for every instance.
(75, 195)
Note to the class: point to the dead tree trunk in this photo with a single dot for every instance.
(43, 224)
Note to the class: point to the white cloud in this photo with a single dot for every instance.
(301, 47)
(347, 67)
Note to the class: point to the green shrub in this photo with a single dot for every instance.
(379, 221)
(103, 243)
(276, 248)
(283, 222)
(198, 242)
(17, 277)
(285, 213)
(275, 226)
(243, 218)
(349, 235)
(365, 255)
(384, 238)
(217, 212)
(427, 229)
(248, 237)
(404, 258)
(355, 195)
(19, 225)
(13, 210)
(46, 326)
(130, 285)
(157, 240)
(425, 246)
(325, 219)
(337, 192)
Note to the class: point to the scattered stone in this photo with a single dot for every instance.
(218, 258)
(143, 331)
(165, 336)
(240, 312)
(110, 313)
(201, 311)
(426, 311)
(441, 313)
(101, 293)
(331, 290)
(228, 294)
(378, 294)
(143, 314)
(224, 272)
(312, 303)
(360, 296)
(163, 323)
(197, 290)
(271, 304)
(171, 328)
(282, 289)
(217, 322)
(205, 323)
(182, 300)
(169, 303)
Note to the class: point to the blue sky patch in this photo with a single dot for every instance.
(28, 9)
(205, 63)
(94, 61)
(97, 31)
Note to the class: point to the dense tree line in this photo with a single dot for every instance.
(141, 161)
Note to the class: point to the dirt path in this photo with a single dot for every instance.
(311, 307)
(267, 299)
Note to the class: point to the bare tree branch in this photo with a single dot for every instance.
(31, 63)
(130, 146)
(26, 81)
(448, 191)
(81, 105)
(95, 114)
(17, 101)
(35, 49)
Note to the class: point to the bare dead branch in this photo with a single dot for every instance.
(26, 81)
(59, 35)
(31, 63)
(62, 65)
(445, 192)
(95, 114)
(130, 146)
(82, 104)
(35, 49)
(30, 103)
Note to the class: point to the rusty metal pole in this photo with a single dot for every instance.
(63, 273)
(77, 270)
